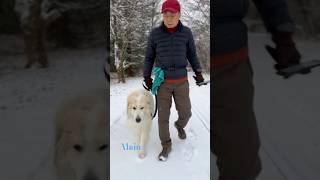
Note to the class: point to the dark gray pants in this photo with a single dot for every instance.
(235, 138)
(180, 94)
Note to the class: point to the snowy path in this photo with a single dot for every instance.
(189, 159)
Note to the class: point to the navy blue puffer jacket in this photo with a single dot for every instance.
(171, 52)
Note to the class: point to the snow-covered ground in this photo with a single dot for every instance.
(28, 101)
(189, 159)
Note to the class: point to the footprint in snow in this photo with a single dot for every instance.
(192, 134)
(188, 152)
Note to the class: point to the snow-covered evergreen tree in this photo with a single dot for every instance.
(130, 24)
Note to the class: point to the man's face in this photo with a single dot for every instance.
(171, 19)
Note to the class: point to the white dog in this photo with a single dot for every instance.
(140, 107)
(81, 141)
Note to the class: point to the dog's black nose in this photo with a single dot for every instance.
(138, 119)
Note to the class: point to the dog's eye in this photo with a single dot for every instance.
(78, 148)
(134, 108)
(141, 108)
(103, 147)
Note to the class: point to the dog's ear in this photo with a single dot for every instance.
(128, 110)
(147, 111)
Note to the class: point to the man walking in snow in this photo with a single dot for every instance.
(235, 134)
(170, 46)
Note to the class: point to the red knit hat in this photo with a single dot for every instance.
(171, 5)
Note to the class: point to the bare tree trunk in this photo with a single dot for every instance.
(153, 14)
(121, 69)
(34, 37)
(118, 60)
(121, 77)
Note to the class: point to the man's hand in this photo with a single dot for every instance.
(198, 78)
(148, 83)
(285, 54)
